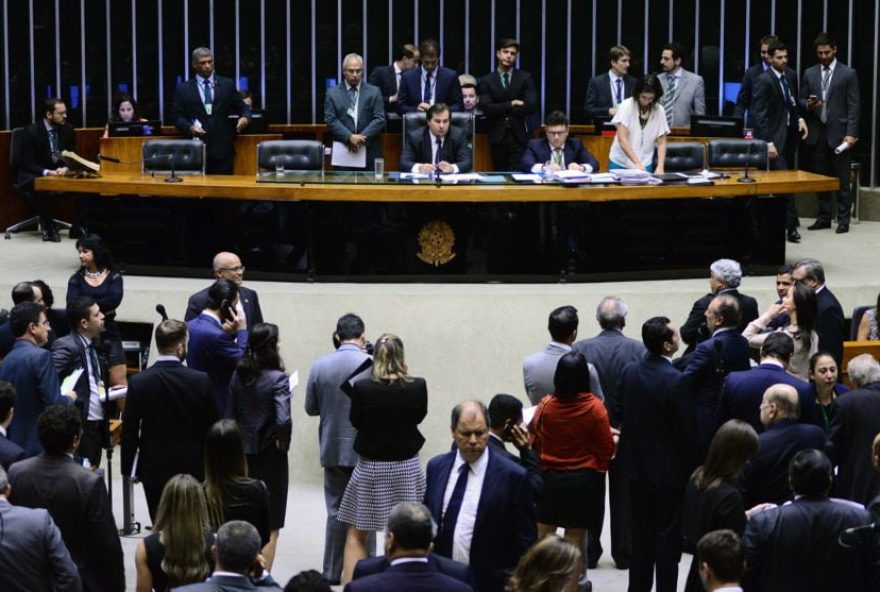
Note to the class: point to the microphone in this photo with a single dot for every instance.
(160, 308)
(171, 178)
(745, 178)
(109, 158)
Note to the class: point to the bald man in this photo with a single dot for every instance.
(228, 266)
(764, 479)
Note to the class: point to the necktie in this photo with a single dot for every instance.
(668, 100)
(53, 142)
(426, 97)
(786, 94)
(826, 76)
(93, 360)
(438, 156)
(619, 98)
(353, 95)
(557, 157)
(505, 79)
(209, 93)
(450, 517)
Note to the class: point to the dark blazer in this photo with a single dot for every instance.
(830, 324)
(262, 410)
(414, 577)
(657, 424)
(744, 97)
(599, 98)
(795, 547)
(247, 499)
(527, 460)
(78, 503)
(455, 149)
(387, 416)
(500, 114)
(36, 152)
(385, 79)
(505, 525)
(168, 411)
(765, 477)
(453, 569)
(770, 114)
(694, 330)
(538, 151)
(842, 106)
(30, 370)
(855, 423)
(33, 555)
(370, 121)
(742, 392)
(706, 510)
(69, 354)
(187, 106)
(250, 302)
(447, 89)
(231, 584)
(10, 452)
(213, 350)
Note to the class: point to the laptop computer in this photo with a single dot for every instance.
(121, 129)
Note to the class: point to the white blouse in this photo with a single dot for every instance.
(641, 139)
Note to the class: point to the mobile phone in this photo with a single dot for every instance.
(227, 312)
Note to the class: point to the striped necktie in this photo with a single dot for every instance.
(668, 100)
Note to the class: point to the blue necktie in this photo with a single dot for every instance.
(209, 93)
(619, 83)
(786, 93)
(426, 97)
(450, 517)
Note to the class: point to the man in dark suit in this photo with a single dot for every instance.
(10, 452)
(775, 119)
(506, 425)
(655, 450)
(228, 266)
(75, 497)
(238, 562)
(29, 369)
(354, 112)
(764, 479)
(39, 156)
(610, 351)
(508, 98)
(798, 546)
(829, 314)
(830, 101)
(853, 428)
(387, 78)
(557, 149)
(746, 90)
(606, 91)
(32, 554)
(743, 391)
(724, 352)
(21, 292)
(481, 501)
(409, 564)
(201, 108)
(429, 84)
(725, 276)
(168, 411)
(438, 148)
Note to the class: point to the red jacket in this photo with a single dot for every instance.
(572, 434)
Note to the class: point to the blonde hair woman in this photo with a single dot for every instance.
(553, 564)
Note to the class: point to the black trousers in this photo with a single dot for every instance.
(656, 534)
(821, 159)
(784, 162)
(94, 438)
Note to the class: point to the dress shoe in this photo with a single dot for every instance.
(51, 236)
(794, 236)
(819, 225)
(842, 229)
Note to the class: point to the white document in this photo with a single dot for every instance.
(603, 178)
(116, 392)
(294, 380)
(565, 174)
(414, 176)
(843, 146)
(529, 414)
(527, 177)
(341, 156)
(461, 177)
(69, 383)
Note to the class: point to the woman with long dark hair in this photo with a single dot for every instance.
(259, 400)
(641, 126)
(825, 388)
(125, 109)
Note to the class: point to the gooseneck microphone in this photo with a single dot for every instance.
(745, 178)
(160, 308)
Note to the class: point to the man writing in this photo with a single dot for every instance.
(557, 151)
(439, 147)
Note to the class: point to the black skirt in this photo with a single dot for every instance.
(270, 467)
(573, 499)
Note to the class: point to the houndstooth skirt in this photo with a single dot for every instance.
(375, 487)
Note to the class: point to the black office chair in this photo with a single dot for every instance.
(684, 156)
(14, 161)
(185, 157)
(731, 154)
(857, 314)
(297, 155)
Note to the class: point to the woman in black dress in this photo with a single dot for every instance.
(259, 400)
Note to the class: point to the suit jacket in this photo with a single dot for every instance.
(30, 370)
(495, 101)
(10, 452)
(852, 432)
(231, 584)
(78, 503)
(694, 330)
(505, 525)
(795, 547)
(32, 554)
(657, 424)
(385, 79)
(168, 411)
(706, 510)
(453, 569)
(187, 106)
(690, 97)
(249, 299)
(447, 89)
(830, 324)
(745, 96)
(527, 460)
(842, 107)
(69, 354)
(262, 410)
(599, 98)
(770, 114)
(387, 416)
(456, 149)
(36, 152)
(765, 477)
(538, 151)
(539, 370)
(370, 120)
(415, 577)
(610, 352)
(216, 352)
(742, 392)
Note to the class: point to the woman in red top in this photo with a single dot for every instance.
(572, 437)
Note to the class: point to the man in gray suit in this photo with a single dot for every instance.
(32, 554)
(354, 111)
(539, 369)
(611, 351)
(830, 101)
(336, 434)
(683, 91)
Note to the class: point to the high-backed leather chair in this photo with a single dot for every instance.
(297, 155)
(684, 156)
(186, 157)
(462, 120)
(733, 153)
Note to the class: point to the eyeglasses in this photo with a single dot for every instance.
(239, 269)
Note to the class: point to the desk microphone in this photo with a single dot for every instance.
(172, 178)
(160, 308)
(745, 178)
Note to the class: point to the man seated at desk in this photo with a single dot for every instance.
(438, 147)
(556, 151)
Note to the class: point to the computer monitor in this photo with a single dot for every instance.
(714, 126)
(121, 129)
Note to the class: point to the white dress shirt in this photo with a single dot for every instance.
(467, 515)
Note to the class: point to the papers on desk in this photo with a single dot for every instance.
(458, 177)
(636, 177)
(341, 156)
(414, 176)
(527, 177)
